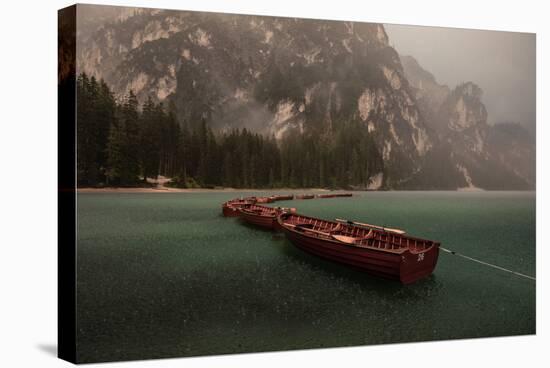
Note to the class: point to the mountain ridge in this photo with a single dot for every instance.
(281, 76)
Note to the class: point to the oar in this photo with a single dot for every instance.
(388, 229)
(309, 230)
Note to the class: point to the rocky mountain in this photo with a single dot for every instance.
(283, 76)
(500, 156)
(429, 94)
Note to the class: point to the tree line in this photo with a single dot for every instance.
(120, 143)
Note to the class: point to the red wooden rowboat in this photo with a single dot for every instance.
(305, 196)
(230, 208)
(282, 197)
(263, 216)
(325, 195)
(334, 195)
(382, 253)
(264, 199)
(274, 198)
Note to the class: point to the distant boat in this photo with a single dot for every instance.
(334, 195)
(387, 253)
(230, 208)
(282, 197)
(263, 216)
(274, 198)
(265, 199)
(305, 196)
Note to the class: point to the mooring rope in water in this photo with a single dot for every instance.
(487, 264)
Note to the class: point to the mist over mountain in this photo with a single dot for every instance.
(500, 156)
(285, 76)
(502, 64)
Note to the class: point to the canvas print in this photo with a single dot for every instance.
(236, 183)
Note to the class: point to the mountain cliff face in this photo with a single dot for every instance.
(273, 75)
(427, 92)
(492, 157)
(282, 75)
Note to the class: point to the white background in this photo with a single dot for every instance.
(28, 184)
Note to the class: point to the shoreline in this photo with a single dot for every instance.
(164, 189)
(193, 190)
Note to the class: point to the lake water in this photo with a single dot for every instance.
(165, 275)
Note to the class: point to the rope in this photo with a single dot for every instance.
(487, 264)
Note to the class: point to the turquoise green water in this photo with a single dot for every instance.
(164, 275)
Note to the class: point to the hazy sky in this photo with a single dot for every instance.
(501, 63)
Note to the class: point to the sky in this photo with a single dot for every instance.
(501, 63)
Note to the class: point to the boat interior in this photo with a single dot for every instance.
(358, 236)
(261, 210)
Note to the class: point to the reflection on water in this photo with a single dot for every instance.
(163, 275)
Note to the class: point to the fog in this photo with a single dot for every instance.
(501, 63)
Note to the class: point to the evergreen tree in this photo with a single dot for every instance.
(117, 144)
(150, 140)
(95, 113)
(123, 145)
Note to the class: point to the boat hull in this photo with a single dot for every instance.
(231, 208)
(230, 211)
(266, 222)
(406, 267)
(325, 196)
(283, 198)
(335, 195)
(264, 200)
